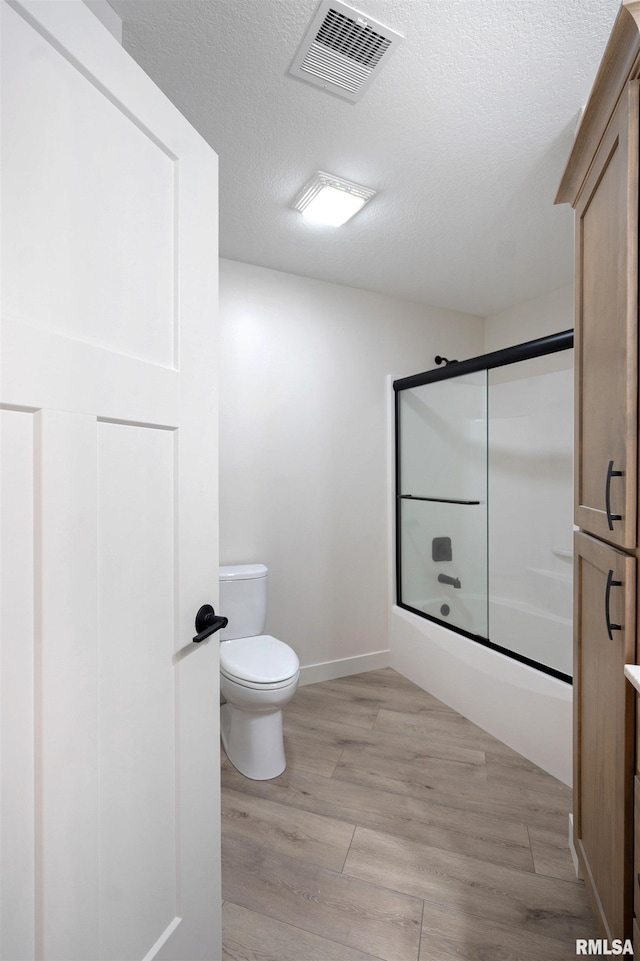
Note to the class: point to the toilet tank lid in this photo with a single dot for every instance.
(242, 572)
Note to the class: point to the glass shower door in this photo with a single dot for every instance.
(531, 493)
(442, 501)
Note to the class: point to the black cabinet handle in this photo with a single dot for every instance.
(607, 495)
(207, 623)
(610, 583)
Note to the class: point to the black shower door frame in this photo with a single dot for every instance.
(499, 358)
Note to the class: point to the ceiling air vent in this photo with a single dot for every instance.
(343, 50)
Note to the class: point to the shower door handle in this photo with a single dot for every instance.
(607, 599)
(607, 495)
(207, 623)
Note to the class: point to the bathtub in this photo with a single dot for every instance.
(525, 708)
(537, 634)
(466, 611)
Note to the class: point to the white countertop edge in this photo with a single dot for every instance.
(632, 673)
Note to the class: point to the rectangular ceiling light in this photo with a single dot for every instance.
(331, 200)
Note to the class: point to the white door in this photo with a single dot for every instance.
(110, 757)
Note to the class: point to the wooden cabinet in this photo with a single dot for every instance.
(604, 707)
(606, 333)
(601, 183)
(636, 848)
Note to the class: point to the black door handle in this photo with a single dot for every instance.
(610, 583)
(607, 495)
(207, 623)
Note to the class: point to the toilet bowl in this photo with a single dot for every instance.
(258, 676)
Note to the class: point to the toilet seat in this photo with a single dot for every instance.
(261, 662)
(259, 685)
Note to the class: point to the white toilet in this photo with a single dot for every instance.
(258, 676)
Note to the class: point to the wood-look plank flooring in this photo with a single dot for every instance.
(400, 831)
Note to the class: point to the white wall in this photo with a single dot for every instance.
(548, 314)
(521, 706)
(305, 449)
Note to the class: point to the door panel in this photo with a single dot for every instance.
(94, 174)
(16, 686)
(138, 716)
(604, 727)
(108, 389)
(66, 685)
(606, 334)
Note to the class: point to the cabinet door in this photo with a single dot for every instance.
(604, 624)
(606, 333)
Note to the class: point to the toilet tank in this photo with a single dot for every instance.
(243, 599)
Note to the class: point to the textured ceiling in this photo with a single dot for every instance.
(464, 135)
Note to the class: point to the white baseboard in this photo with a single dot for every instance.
(574, 856)
(344, 667)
